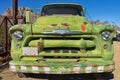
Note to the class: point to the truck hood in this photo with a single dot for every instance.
(59, 23)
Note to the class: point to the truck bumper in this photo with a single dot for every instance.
(60, 68)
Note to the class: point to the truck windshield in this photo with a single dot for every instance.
(62, 10)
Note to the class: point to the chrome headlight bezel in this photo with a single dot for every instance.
(18, 35)
(105, 35)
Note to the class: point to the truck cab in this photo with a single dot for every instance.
(62, 41)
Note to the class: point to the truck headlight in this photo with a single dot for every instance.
(105, 35)
(18, 35)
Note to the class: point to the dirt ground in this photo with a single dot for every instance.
(117, 61)
(6, 74)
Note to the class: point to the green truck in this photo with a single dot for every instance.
(62, 41)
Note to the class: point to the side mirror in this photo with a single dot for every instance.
(27, 16)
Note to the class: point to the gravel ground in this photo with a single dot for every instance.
(6, 74)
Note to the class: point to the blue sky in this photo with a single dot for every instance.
(98, 9)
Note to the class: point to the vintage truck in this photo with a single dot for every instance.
(62, 41)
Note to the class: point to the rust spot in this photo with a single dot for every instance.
(65, 24)
(54, 25)
(39, 44)
(78, 60)
(85, 23)
(90, 65)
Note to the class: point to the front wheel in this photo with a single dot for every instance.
(118, 37)
(22, 75)
(104, 76)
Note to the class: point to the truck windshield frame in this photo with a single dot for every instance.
(62, 10)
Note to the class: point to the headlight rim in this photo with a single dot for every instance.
(18, 34)
(105, 35)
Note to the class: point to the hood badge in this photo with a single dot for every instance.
(61, 31)
(57, 31)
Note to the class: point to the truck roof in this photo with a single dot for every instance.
(70, 4)
(63, 4)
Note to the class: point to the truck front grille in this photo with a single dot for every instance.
(64, 46)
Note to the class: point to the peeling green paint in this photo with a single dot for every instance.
(80, 48)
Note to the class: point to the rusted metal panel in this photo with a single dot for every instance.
(5, 35)
(15, 11)
(4, 54)
(18, 17)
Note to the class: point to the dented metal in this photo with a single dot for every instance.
(62, 44)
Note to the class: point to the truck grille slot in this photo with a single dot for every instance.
(67, 38)
(61, 57)
(61, 50)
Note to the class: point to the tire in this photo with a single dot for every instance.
(104, 76)
(22, 75)
(118, 37)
